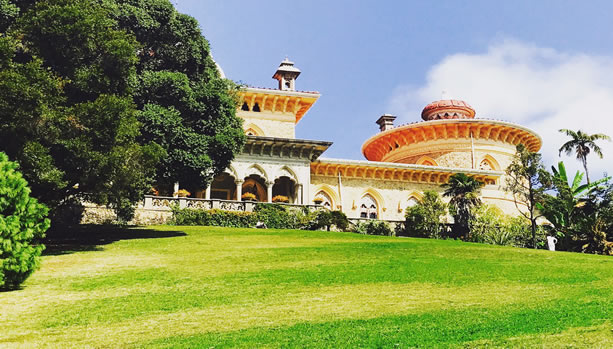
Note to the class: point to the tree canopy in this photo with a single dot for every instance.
(99, 99)
(582, 144)
(464, 193)
(527, 180)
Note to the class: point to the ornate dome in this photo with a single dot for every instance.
(448, 109)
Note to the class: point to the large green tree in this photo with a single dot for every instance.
(184, 105)
(66, 105)
(464, 193)
(527, 180)
(99, 98)
(582, 144)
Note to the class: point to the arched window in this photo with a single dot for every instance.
(485, 165)
(412, 201)
(322, 198)
(245, 107)
(368, 207)
(256, 107)
(426, 160)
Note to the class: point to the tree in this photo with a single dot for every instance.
(527, 180)
(424, 218)
(22, 225)
(577, 210)
(100, 98)
(582, 144)
(464, 193)
(66, 106)
(184, 105)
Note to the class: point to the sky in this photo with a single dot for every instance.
(543, 64)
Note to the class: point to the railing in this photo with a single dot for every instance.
(165, 203)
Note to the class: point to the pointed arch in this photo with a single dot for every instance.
(330, 192)
(426, 160)
(232, 172)
(252, 130)
(412, 199)
(367, 196)
(489, 163)
(256, 169)
(287, 171)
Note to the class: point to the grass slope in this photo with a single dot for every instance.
(221, 287)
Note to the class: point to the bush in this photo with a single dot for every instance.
(491, 226)
(214, 217)
(274, 216)
(22, 225)
(373, 227)
(340, 220)
(424, 219)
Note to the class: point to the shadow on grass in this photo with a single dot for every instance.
(65, 240)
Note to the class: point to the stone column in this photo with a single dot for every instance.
(300, 194)
(207, 191)
(269, 188)
(239, 188)
(176, 189)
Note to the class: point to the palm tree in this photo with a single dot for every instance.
(463, 191)
(582, 143)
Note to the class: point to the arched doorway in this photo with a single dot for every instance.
(256, 185)
(223, 187)
(285, 186)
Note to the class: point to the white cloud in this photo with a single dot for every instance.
(537, 87)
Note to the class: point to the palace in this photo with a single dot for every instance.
(401, 161)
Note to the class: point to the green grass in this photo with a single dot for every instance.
(220, 287)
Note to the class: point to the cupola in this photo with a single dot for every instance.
(287, 75)
(447, 109)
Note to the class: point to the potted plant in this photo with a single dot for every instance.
(248, 197)
(182, 193)
(280, 198)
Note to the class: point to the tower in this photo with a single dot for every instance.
(287, 74)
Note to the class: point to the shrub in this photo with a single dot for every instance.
(275, 216)
(340, 220)
(491, 226)
(22, 225)
(214, 217)
(424, 219)
(373, 227)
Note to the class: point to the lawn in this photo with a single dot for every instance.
(207, 287)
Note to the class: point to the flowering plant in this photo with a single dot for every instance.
(280, 198)
(248, 197)
(182, 193)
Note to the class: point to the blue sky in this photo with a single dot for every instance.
(544, 64)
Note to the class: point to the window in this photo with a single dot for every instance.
(368, 207)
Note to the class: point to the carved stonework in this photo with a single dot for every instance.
(232, 206)
(200, 204)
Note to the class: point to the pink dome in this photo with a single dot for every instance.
(448, 109)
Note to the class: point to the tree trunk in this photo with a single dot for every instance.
(587, 175)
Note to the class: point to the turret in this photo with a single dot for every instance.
(287, 75)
